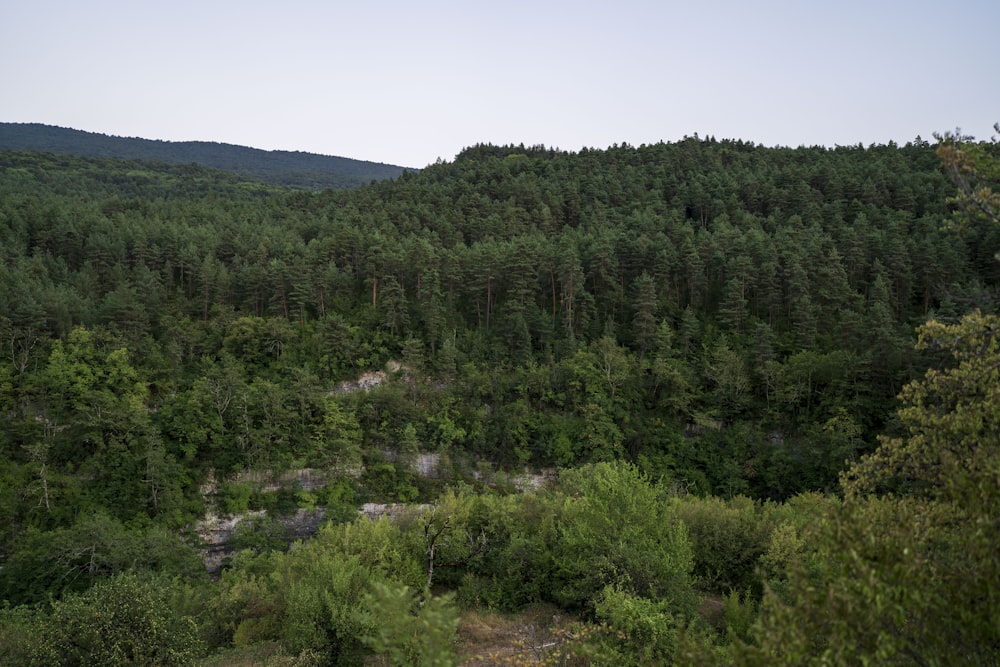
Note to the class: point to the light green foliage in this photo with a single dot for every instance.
(449, 537)
(784, 548)
(422, 631)
(319, 595)
(516, 567)
(952, 416)
(95, 417)
(236, 496)
(338, 497)
(645, 628)
(617, 529)
(445, 429)
(308, 598)
(337, 440)
(126, 620)
(392, 549)
(740, 614)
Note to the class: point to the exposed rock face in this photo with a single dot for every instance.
(376, 511)
(217, 531)
(364, 382)
(428, 465)
(306, 479)
(527, 481)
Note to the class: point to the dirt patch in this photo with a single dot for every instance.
(494, 639)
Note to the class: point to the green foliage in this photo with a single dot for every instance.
(338, 439)
(260, 533)
(557, 309)
(319, 598)
(617, 529)
(393, 550)
(741, 612)
(972, 166)
(339, 499)
(125, 620)
(53, 563)
(515, 568)
(387, 481)
(422, 632)
(735, 319)
(646, 627)
(727, 539)
(308, 598)
(236, 496)
(908, 577)
(295, 169)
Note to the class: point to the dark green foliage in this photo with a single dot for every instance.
(301, 170)
(725, 318)
(735, 316)
(727, 539)
(41, 564)
(264, 533)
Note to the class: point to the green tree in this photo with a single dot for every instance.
(618, 530)
(419, 632)
(974, 168)
(644, 320)
(43, 564)
(338, 438)
(127, 620)
(908, 567)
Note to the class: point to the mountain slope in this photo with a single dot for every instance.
(296, 169)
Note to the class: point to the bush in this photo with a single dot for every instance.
(618, 530)
(645, 628)
(236, 497)
(127, 620)
(728, 537)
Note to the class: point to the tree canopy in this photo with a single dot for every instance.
(713, 341)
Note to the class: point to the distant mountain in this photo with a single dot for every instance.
(295, 169)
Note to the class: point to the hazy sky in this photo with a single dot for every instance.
(409, 82)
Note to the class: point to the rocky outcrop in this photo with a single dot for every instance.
(305, 479)
(216, 531)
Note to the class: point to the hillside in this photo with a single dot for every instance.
(708, 347)
(294, 169)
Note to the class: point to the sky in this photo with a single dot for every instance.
(408, 83)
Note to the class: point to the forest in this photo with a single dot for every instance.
(760, 385)
(289, 168)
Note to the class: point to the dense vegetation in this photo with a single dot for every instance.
(293, 169)
(701, 335)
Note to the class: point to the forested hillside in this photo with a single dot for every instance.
(294, 169)
(715, 329)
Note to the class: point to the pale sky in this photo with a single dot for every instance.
(408, 82)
